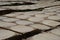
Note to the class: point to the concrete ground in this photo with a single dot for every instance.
(47, 19)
